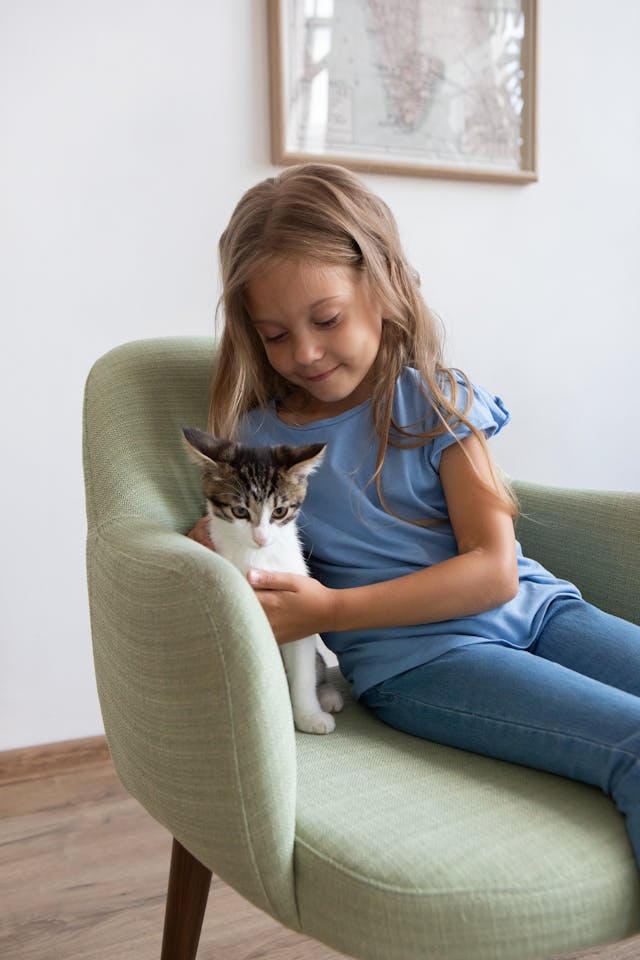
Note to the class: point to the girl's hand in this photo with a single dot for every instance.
(296, 606)
(200, 533)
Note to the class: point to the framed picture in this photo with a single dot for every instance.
(434, 88)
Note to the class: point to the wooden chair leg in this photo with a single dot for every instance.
(189, 882)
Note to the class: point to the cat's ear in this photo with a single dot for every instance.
(204, 449)
(300, 462)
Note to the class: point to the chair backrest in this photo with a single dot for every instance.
(133, 429)
(589, 537)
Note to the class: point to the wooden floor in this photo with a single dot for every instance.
(83, 872)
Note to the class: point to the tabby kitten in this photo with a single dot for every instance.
(253, 496)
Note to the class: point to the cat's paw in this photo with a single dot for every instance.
(330, 699)
(318, 722)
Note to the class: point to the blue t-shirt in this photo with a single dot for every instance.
(351, 540)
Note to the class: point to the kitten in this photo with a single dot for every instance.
(253, 496)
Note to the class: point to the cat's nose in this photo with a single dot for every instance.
(259, 538)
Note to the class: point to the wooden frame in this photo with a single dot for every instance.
(401, 102)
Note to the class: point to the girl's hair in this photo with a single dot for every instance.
(321, 213)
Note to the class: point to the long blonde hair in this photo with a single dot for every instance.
(322, 213)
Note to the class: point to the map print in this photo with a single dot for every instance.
(424, 81)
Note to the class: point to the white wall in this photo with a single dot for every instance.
(129, 129)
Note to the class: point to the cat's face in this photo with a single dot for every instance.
(257, 490)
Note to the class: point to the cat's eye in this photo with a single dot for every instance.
(279, 513)
(240, 513)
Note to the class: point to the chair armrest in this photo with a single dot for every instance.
(195, 704)
(589, 537)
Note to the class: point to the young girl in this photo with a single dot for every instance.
(442, 626)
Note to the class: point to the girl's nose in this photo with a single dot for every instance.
(307, 350)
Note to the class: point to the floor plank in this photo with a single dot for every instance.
(83, 877)
(50, 759)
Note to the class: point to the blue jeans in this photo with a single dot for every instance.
(569, 705)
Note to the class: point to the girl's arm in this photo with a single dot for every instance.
(483, 575)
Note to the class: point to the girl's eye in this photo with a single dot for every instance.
(277, 338)
(326, 324)
(241, 513)
(279, 513)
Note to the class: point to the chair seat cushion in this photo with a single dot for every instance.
(406, 849)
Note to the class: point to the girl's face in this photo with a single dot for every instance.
(321, 331)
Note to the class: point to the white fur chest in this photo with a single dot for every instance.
(235, 542)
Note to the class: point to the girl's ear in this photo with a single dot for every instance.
(300, 462)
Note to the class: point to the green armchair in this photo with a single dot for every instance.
(382, 846)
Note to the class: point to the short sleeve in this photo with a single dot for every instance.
(487, 413)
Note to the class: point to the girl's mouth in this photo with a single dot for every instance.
(321, 376)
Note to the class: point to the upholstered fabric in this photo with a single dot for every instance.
(381, 845)
(590, 537)
(454, 855)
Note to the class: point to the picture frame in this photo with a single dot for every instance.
(431, 88)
